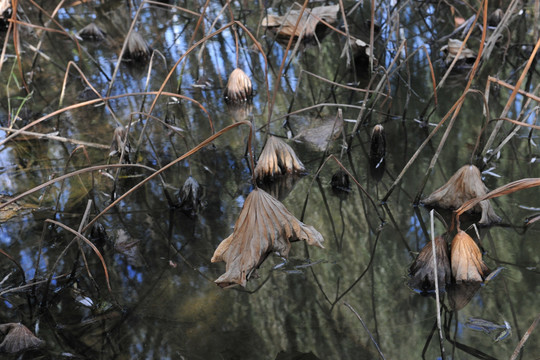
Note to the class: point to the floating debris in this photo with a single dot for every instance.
(422, 271)
(18, 338)
(466, 259)
(263, 226)
(308, 28)
(238, 87)
(92, 32)
(190, 197)
(277, 158)
(464, 185)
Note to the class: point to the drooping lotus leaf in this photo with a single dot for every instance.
(466, 259)
(238, 87)
(17, 338)
(92, 32)
(277, 158)
(138, 49)
(464, 185)
(422, 270)
(263, 226)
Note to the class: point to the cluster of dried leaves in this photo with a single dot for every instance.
(464, 265)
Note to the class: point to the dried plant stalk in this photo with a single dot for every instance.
(238, 87)
(277, 158)
(422, 271)
(263, 226)
(467, 263)
(464, 185)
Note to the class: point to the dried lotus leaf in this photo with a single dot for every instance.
(263, 226)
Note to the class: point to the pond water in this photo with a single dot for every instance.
(163, 301)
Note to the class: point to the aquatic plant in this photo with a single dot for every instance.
(277, 158)
(238, 87)
(263, 226)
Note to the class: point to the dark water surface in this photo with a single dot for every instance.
(164, 303)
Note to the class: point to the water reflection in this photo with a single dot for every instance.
(164, 303)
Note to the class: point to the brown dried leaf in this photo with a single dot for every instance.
(18, 338)
(422, 271)
(466, 258)
(284, 25)
(464, 185)
(263, 226)
(238, 87)
(277, 158)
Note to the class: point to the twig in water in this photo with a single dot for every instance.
(365, 327)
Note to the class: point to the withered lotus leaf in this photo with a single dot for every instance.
(263, 226)
(137, 48)
(285, 25)
(277, 158)
(422, 270)
(464, 185)
(17, 338)
(190, 197)
(466, 259)
(92, 32)
(238, 87)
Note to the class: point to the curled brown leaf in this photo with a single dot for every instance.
(464, 185)
(422, 270)
(238, 87)
(466, 259)
(17, 338)
(263, 226)
(277, 158)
